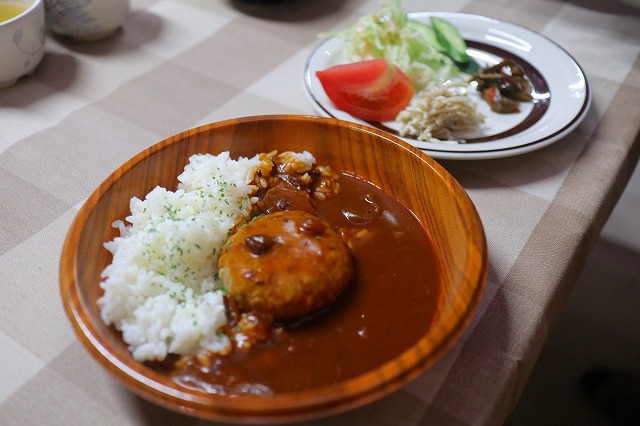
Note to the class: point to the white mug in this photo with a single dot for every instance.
(21, 42)
(86, 20)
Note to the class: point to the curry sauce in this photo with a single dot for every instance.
(385, 309)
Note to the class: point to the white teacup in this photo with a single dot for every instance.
(21, 40)
(86, 20)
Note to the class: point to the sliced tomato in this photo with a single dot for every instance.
(372, 90)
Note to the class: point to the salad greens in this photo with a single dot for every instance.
(428, 55)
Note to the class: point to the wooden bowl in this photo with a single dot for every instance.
(434, 196)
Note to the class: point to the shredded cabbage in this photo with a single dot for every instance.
(387, 34)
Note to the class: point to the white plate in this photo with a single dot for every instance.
(561, 90)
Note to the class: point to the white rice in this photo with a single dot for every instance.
(161, 289)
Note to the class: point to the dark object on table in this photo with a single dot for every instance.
(616, 394)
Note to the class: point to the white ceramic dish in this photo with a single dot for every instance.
(561, 91)
(87, 20)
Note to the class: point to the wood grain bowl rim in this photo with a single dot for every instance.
(287, 407)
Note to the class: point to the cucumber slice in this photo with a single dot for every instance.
(427, 33)
(451, 39)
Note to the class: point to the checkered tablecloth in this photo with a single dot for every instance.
(177, 64)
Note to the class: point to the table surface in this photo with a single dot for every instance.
(177, 64)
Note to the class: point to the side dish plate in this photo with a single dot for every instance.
(560, 88)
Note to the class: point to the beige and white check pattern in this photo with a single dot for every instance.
(181, 63)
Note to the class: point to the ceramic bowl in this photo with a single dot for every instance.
(87, 20)
(21, 42)
(429, 191)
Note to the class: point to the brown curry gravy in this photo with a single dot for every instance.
(381, 314)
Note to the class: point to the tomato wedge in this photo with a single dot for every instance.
(373, 90)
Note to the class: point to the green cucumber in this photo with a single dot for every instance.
(450, 38)
(427, 33)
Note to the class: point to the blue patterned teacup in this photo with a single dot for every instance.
(21, 41)
(86, 20)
